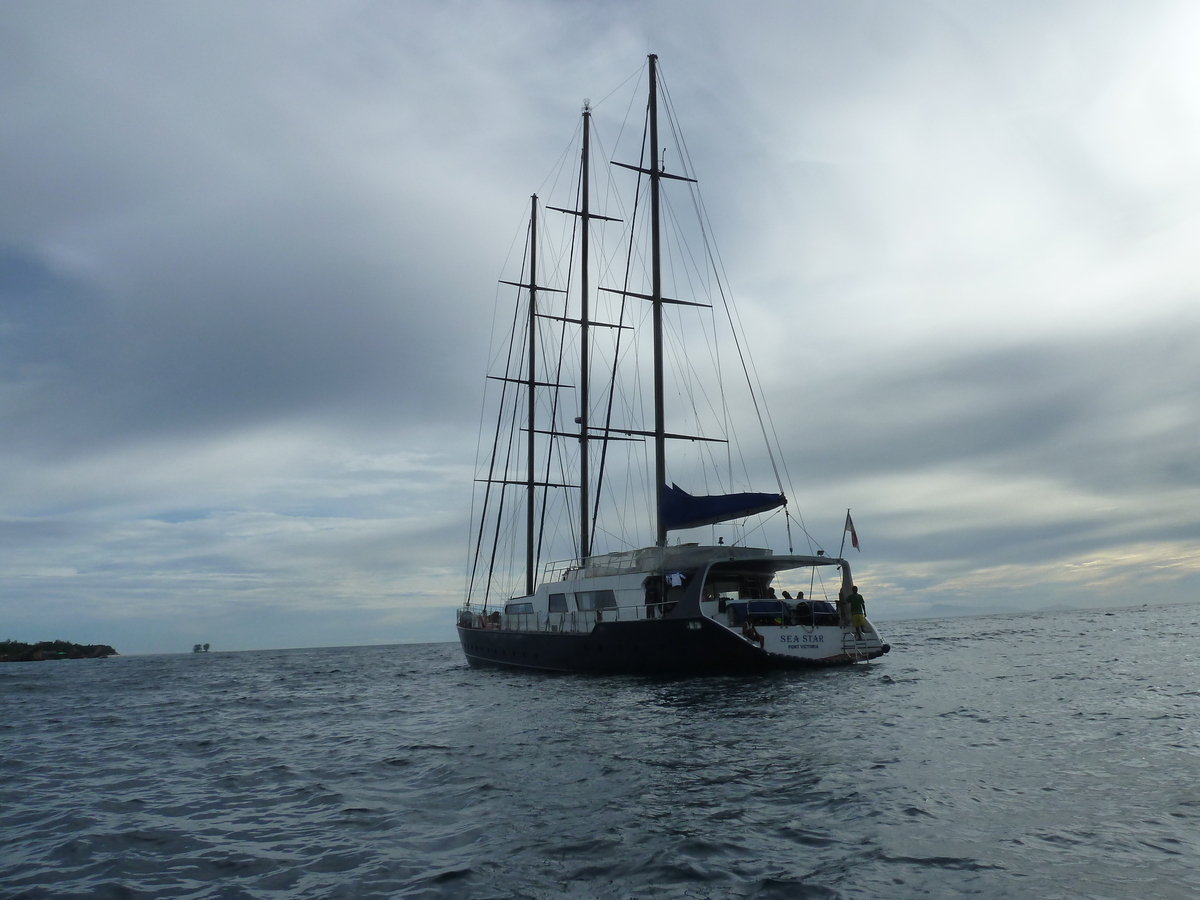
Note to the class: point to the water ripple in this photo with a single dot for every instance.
(1043, 755)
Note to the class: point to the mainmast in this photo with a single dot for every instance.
(530, 493)
(584, 321)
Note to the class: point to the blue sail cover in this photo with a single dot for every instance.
(681, 510)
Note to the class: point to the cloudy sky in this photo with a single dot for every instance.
(248, 256)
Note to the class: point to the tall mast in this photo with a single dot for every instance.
(660, 441)
(530, 493)
(584, 537)
(585, 323)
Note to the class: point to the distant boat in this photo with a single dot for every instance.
(200, 648)
(682, 609)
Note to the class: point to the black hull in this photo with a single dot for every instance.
(643, 647)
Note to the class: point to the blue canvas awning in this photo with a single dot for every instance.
(681, 510)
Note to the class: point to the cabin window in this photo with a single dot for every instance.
(558, 603)
(755, 589)
(518, 609)
(596, 600)
(722, 590)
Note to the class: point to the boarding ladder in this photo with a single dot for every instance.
(854, 648)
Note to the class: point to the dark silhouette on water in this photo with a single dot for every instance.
(18, 651)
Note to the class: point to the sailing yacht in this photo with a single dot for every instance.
(549, 468)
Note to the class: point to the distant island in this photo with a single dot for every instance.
(19, 651)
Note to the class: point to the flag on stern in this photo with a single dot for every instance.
(853, 533)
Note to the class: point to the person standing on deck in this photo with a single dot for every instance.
(858, 612)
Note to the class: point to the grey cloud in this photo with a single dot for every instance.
(1075, 409)
(86, 368)
(239, 244)
(1108, 423)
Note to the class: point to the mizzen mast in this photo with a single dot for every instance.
(660, 441)
(657, 300)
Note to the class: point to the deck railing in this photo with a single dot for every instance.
(558, 570)
(581, 621)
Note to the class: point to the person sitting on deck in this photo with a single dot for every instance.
(750, 633)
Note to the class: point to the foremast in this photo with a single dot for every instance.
(585, 220)
(531, 384)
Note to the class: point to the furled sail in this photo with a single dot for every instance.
(681, 510)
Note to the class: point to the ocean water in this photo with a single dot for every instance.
(1047, 756)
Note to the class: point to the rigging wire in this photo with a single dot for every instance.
(557, 380)
(495, 444)
(766, 422)
(510, 456)
(695, 274)
(604, 441)
(492, 361)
